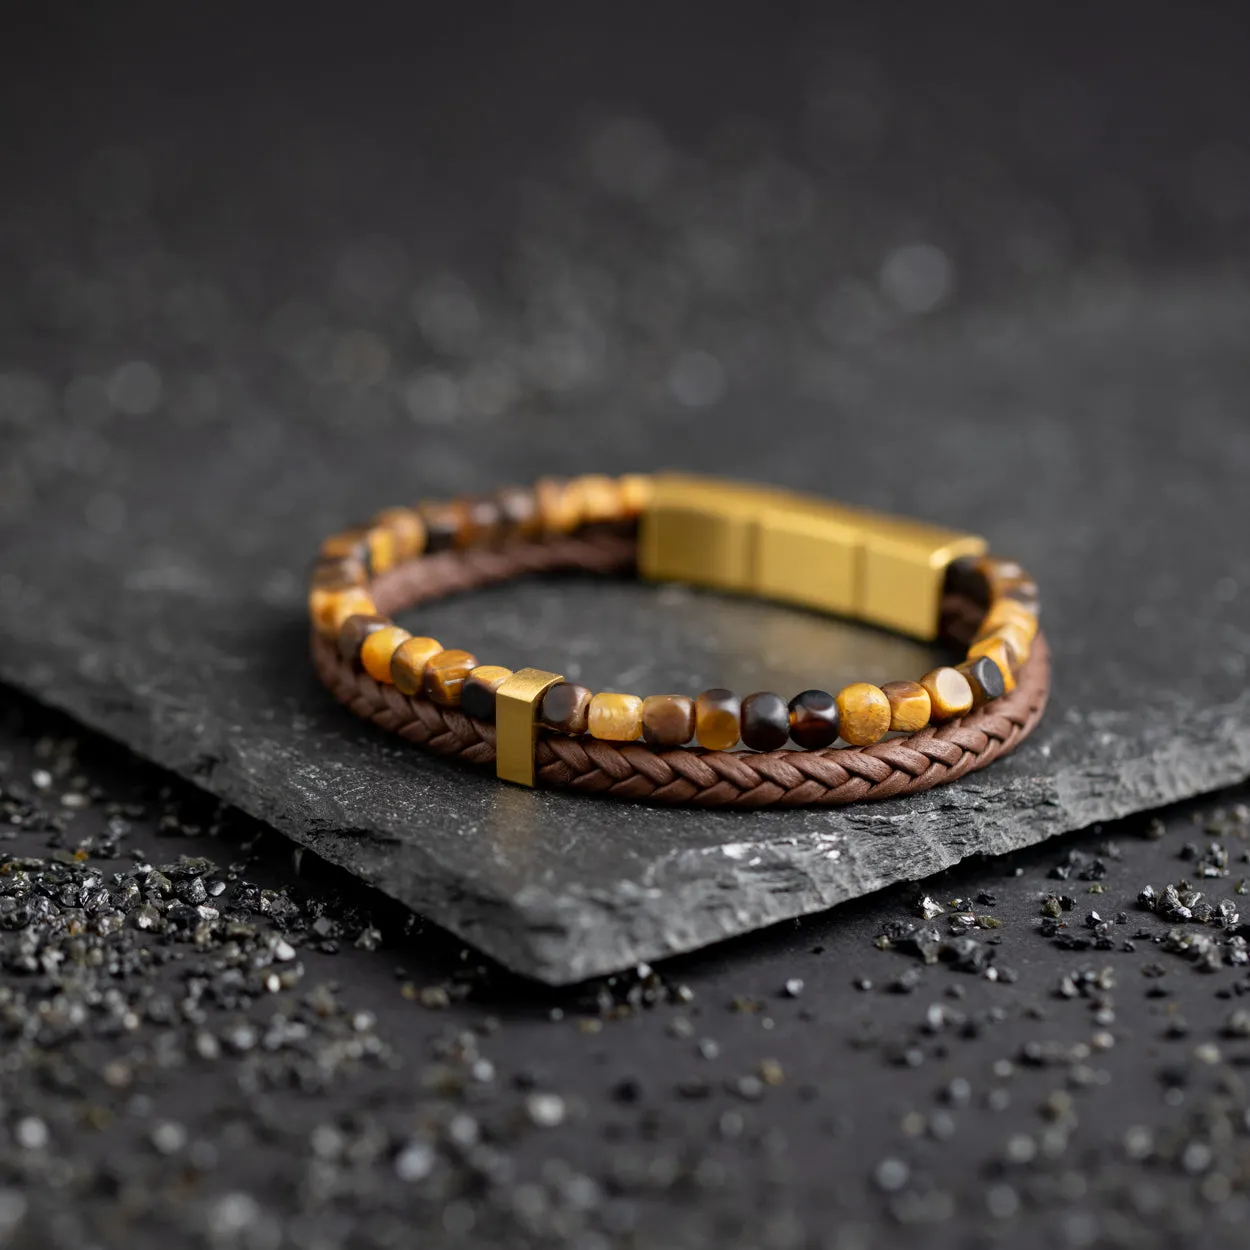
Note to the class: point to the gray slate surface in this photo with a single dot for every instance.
(215, 354)
(183, 635)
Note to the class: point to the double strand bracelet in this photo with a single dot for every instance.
(933, 584)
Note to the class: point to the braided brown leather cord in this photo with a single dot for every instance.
(747, 779)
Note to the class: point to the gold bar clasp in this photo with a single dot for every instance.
(799, 549)
(516, 723)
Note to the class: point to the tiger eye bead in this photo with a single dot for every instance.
(615, 717)
(443, 523)
(635, 491)
(1014, 639)
(330, 608)
(445, 675)
(377, 651)
(765, 721)
(985, 679)
(1007, 612)
(351, 544)
(717, 723)
(949, 692)
(383, 548)
(340, 574)
(998, 571)
(565, 707)
(407, 529)
(667, 720)
(354, 631)
(813, 719)
(477, 697)
(1023, 591)
(518, 509)
(559, 505)
(864, 713)
(408, 663)
(600, 498)
(483, 523)
(909, 705)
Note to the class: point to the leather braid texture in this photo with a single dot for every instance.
(691, 775)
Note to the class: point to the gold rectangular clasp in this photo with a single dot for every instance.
(516, 723)
(799, 549)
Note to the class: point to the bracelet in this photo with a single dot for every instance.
(931, 583)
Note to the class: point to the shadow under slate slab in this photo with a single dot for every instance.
(1111, 456)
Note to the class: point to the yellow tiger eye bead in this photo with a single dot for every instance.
(717, 719)
(445, 675)
(863, 713)
(600, 497)
(1008, 612)
(382, 548)
(615, 717)
(910, 705)
(376, 652)
(996, 649)
(408, 530)
(1015, 640)
(559, 505)
(408, 662)
(949, 692)
(330, 608)
(352, 603)
(635, 491)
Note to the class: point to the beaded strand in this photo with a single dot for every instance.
(342, 610)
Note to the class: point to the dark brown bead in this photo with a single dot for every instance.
(566, 707)
(717, 723)
(354, 631)
(338, 574)
(765, 721)
(518, 508)
(814, 719)
(985, 678)
(667, 720)
(443, 523)
(477, 696)
(445, 675)
(966, 577)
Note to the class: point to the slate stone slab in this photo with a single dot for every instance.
(208, 363)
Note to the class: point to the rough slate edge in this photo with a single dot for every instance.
(541, 935)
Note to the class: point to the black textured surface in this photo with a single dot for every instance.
(242, 309)
(291, 1063)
